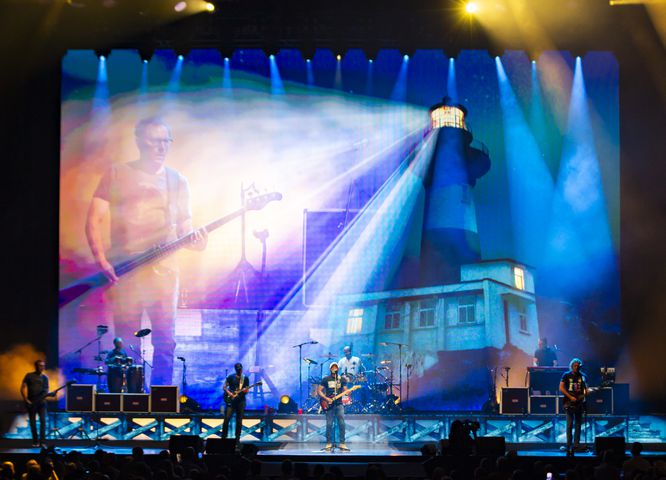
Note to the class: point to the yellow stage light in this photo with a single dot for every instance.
(471, 7)
(210, 7)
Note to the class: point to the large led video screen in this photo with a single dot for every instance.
(436, 215)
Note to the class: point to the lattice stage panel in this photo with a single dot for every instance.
(360, 428)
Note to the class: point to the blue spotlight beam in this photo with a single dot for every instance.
(530, 183)
(579, 234)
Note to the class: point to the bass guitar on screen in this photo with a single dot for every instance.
(83, 286)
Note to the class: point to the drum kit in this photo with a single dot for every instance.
(123, 375)
(375, 395)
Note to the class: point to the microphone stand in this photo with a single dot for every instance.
(144, 362)
(300, 372)
(399, 345)
(184, 380)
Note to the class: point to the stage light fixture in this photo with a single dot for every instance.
(103, 53)
(209, 7)
(471, 7)
(338, 57)
(180, 6)
(287, 405)
(146, 54)
(188, 404)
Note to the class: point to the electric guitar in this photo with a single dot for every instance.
(52, 393)
(325, 405)
(84, 285)
(228, 399)
(579, 401)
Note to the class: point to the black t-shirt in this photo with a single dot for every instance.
(574, 383)
(38, 385)
(333, 386)
(113, 354)
(545, 357)
(233, 384)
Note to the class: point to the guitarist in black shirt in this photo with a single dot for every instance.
(574, 388)
(235, 388)
(34, 390)
(330, 391)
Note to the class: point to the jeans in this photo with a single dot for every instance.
(336, 412)
(574, 416)
(34, 410)
(154, 290)
(239, 409)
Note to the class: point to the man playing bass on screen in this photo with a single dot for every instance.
(146, 204)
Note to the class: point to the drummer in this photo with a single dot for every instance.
(350, 366)
(118, 356)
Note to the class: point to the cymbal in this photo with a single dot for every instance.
(330, 355)
(142, 333)
(386, 362)
(385, 367)
(368, 355)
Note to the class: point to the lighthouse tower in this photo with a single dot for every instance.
(450, 236)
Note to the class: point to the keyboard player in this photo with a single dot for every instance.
(544, 356)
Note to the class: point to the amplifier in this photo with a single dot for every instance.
(543, 404)
(80, 398)
(164, 399)
(600, 402)
(514, 400)
(108, 402)
(136, 402)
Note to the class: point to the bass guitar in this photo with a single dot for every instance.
(83, 286)
(325, 405)
(228, 399)
(52, 393)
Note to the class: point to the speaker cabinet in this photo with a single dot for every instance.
(108, 402)
(178, 443)
(220, 446)
(80, 398)
(621, 399)
(495, 446)
(514, 400)
(614, 444)
(600, 402)
(164, 399)
(136, 402)
(543, 405)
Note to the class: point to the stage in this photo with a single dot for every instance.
(378, 430)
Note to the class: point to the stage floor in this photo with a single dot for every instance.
(278, 451)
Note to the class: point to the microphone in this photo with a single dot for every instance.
(132, 348)
(313, 342)
(182, 359)
(383, 344)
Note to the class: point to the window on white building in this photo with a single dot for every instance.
(519, 278)
(467, 309)
(355, 321)
(427, 312)
(392, 317)
(522, 317)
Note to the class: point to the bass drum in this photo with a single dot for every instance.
(115, 379)
(135, 379)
